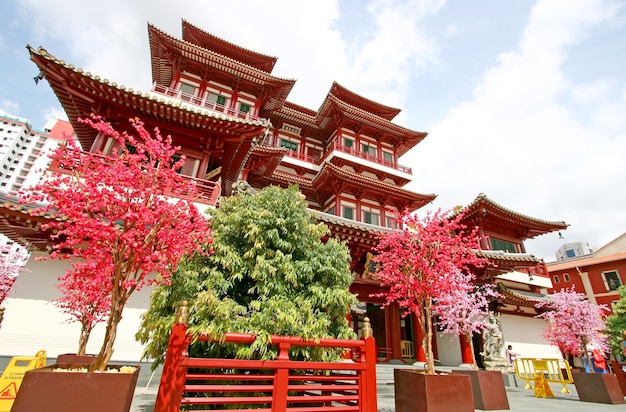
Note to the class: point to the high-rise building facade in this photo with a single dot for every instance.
(23, 151)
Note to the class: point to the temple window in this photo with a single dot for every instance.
(217, 99)
(611, 280)
(371, 150)
(371, 218)
(388, 157)
(392, 222)
(556, 279)
(348, 142)
(566, 277)
(331, 211)
(503, 245)
(187, 88)
(244, 107)
(289, 144)
(348, 212)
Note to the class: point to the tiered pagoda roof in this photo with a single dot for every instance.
(356, 100)
(490, 215)
(170, 55)
(195, 35)
(82, 93)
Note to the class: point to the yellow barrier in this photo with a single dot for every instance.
(14, 373)
(553, 370)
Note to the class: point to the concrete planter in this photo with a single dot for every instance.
(487, 388)
(598, 387)
(415, 391)
(53, 391)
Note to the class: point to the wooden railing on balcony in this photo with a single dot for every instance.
(351, 151)
(370, 157)
(206, 192)
(279, 385)
(203, 102)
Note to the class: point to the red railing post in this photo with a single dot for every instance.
(281, 380)
(369, 397)
(174, 374)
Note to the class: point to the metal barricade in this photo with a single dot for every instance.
(553, 370)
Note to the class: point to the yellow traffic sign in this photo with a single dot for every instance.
(14, 373)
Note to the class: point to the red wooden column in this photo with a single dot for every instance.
(392, 321)
(466, 350)
(420, 354)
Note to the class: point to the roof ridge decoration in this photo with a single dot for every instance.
(300, 108)
(264, 62)
(364, 103)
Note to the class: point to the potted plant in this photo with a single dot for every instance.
(125, 220)
(420, 265)
(463, 312)
(574, 325)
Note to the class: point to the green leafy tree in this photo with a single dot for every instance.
(616, 324)
(270, 273)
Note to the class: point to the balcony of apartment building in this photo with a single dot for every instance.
(206, 195)
(208, 101)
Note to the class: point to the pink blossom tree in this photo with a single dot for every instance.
(465, 310)
(85, 299)
(10, 268)
(419, 265)
(125, 219)
(574, 322)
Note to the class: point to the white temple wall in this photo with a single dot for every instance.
(32, 323)
(525, 335)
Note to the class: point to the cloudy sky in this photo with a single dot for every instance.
(523, 101)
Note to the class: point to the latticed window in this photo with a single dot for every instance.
(503, 245)
(348, 212)
(187, 88)
(217, 99)
(371, 218)
(289, 145)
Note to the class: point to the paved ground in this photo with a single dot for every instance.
(519, 398)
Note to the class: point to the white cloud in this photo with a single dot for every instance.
(517, 141)
(8, 107)
(55, 113)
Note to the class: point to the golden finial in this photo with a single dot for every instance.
(366, 330)
(182, 315)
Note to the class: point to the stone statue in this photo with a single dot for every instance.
(492, 338)
(241, 187)
(493, 342)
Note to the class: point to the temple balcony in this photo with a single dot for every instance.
(355, 155)
(337, 147)
(178, 97)
(207, 195)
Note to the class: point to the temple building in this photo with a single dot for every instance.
(221, 103)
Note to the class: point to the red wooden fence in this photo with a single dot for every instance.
(278, 385)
